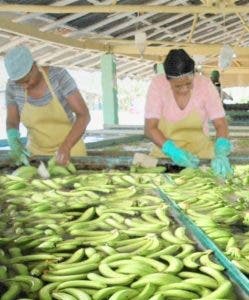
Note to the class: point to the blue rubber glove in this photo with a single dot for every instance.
(221, 166)
(18, 152)
(222, 147)
(179, 156)
(220, 163)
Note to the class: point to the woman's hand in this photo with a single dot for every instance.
(62, 156)
(220, 163)
(180, 156)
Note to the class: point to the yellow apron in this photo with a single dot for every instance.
(188, 134)
(48, 126)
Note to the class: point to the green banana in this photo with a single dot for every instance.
(135, 267)
(77, 293)
(121, 280)
(105, 293)
(180, 233)
(221, 292)
(169, 237)
(58, 171)
(190, 261)
(34, 284)
(147, 292)
(206, 261)
(161, 213)
(181, 286)
(242, 264)
(26, 172)
(125, 293)
(62, 296)
(179, 294)
(94, 259)
(175, 264)
(217, 275)
(167, 251)
(81, 284)
(89, 251)
(71, 168)
(84, 268)
(106, 271)
(75, 257)
(157, 297)
(14, 289)
(150, 261)
(115, 257)
(157, 279)
(187, 249)
(206, 281)
(62, 278)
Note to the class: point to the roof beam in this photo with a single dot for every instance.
(84, 60)
(230, 70)
(109, 20)
(12, 43)
(57, 23)
(193, 28)
(187, 9)
(34, 15)
(165, 47)
(127, 49)
(53, 54)
(55, 39)
(243, 22)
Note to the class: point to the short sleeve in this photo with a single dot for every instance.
(153, 106)
(213, 103)
(66, 83)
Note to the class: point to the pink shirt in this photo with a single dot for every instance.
(205, 100)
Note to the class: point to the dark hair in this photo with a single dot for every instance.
(178, 63)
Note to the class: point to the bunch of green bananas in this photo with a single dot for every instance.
(57, 170)
(25, 172)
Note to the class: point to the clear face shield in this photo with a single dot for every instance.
(182, 84)
(189, 74)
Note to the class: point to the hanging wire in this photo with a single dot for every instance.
(140, 37)
(224, 28)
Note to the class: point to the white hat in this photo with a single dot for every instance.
(18, 62)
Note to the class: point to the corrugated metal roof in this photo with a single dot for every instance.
(60, 36)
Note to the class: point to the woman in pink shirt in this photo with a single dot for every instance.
(178, 108)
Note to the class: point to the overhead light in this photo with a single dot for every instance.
(140, 41)
(226, 57)
(199, 59)
(198, 68)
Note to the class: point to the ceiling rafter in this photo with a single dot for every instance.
(30, 15)
(196, 16)
(79, 35)
(188, 9)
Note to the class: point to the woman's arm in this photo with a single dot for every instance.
(221, 127)
(78, 106)
(18, 152)
(153, 133)
(13, 117)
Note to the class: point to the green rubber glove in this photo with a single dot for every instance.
(220, 163)
(18, 152)
(179, 156)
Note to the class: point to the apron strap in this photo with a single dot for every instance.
(45, 76)
(47, 82)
